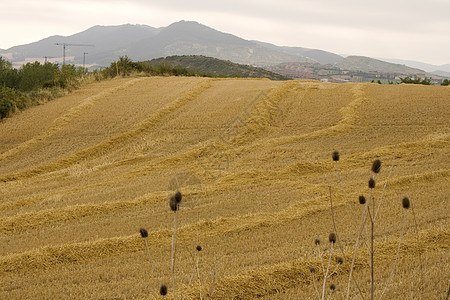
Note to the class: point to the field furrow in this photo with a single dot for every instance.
(68, 117)
(107, 145)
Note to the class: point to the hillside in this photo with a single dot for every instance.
(104, 44)
(367, 64)
(420, 65)
(80, 175)
(337, 73)
(216, 67)
(313, 55)
(141, 42)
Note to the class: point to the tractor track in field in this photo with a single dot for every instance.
(61, 122)
(106, 145)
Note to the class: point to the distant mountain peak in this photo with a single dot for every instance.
(143, 42)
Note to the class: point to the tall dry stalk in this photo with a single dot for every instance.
(332, 239)
(336, 157)
(174, 203)
(313, 272)
(406, 204)
(196, 271)
(144, 235)
(326, 273)
(370, 211)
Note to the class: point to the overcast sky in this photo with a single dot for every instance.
(403, 29)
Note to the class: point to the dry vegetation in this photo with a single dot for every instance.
(81, 175)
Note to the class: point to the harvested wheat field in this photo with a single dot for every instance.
(79, 177)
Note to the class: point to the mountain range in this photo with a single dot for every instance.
(98, 46)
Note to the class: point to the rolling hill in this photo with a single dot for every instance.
(367, 64)
(80, 175)
(216, 67)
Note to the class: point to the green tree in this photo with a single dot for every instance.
(33, 75)
(8, 75)
(125, 66)
(67, 76)
(10, 100)
(445, 82)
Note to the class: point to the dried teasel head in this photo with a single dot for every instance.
(376, 166)
(178, 197)
(332, 286)
(163, 290)
(175, 200)
(362, 199)
(340, 260)
(317, 241)
(371, 183)
(199, 248)
(335, 155)
(312, 269)
(173, 203)
(406, 203)
(144, 232)
(332, 237)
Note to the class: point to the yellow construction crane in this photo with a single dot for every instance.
(67, 44)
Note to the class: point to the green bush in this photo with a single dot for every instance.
(10, 100)
(409, 80)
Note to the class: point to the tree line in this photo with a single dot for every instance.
(34, 83)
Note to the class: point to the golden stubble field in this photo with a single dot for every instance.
(79, 176)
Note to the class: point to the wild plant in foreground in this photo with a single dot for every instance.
(174, 203)
(367, 212)
(196, 271)
(144, 235)
(326, 272)
(369, 215)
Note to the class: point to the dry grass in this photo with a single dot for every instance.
(81, 174)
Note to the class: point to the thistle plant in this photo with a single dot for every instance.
(332, 289)
(174, 203)
(326, 272)
(406, 205)
(196, 271)
(369, 215)
(144, 235)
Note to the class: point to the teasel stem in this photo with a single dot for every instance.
(417, 238)
(391, 275)
(369, 198)
(197, 257)
(339, 262)
(149, 256)
(372, 280)
(174, 203)
(364, 216)
(317, 242)
(343, 189)
(174, 239)
(332, 217)
(144, 235)
(339, 245)
(313, 271)
(332, 288)
(199, 281)
(386, 182)
(328, 267)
